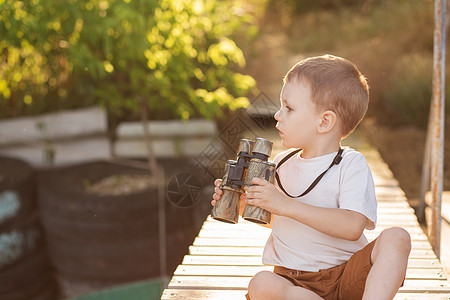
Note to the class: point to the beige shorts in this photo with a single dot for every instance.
(346, 281)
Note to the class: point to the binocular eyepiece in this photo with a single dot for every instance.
(251, 162)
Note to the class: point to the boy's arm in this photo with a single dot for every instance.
(340, 223)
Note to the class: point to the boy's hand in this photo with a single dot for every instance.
(218, 193)
(265, 195)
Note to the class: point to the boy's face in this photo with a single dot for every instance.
(297, 118)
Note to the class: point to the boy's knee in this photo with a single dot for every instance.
(260, 281)
(260, 285)
(396, 237)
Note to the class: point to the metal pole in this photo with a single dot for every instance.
(426, 168)
(158, 173)
(438, 108)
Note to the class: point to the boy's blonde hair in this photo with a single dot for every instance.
(337, 85)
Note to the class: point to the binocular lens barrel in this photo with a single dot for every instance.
(251, 163)
(245, 146)
(228, 165)
(265, 170)
(262, 146)
(227, 208)
(259, 169)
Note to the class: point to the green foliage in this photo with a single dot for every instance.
(304, 6)
(180, 56)
(395, 26)
(410, 92)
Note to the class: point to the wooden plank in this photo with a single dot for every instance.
(404, 219)
(389, 191)
(395, 210)
(414, 237)
(398, 217)
(390, 198)
(412, 229)
(414, 232)
(255, 242)
(217, 231)
(182, 294)
(246, 251)
(257, 251)
(191, 270)
(230, 242)
(241, 282)
(413, 285)
(213, 226)
(379, 170)
(257, 261)
(421, 296)
(385, 222)
(220, 270)
(383, 180)
(394, 204)
(233, 234)
(222, 260)
(211, 282)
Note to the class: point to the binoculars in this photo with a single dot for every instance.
(251, 162)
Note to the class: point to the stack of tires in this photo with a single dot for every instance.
(97, 241)
(24, 268)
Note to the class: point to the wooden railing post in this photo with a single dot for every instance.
(437, 122)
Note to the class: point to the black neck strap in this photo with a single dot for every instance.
(337, 159)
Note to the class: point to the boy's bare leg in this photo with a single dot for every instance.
(390, 259)
(268, 285)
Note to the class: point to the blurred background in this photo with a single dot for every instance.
(193, 59)
(78, 78)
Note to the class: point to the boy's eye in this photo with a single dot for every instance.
(288, 108)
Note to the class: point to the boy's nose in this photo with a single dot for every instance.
(277, 115)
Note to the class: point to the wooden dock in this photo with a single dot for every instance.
(224, 257)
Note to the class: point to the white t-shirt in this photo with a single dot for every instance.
(348, 185)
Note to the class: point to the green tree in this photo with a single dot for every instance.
(179, 56)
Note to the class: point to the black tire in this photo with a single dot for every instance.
(108, 238)
(24, 268)
(49, 293)
(105, 260)
(20, 241)
(17, 191)
(68, 211)
(27, 278)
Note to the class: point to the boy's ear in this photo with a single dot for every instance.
(327, 121)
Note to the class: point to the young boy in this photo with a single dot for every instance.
(317, 245)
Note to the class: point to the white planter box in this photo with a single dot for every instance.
(60, 125)
(75, 136)
(173, 138)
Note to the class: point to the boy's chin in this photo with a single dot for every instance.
(285, 144)
(288, 145)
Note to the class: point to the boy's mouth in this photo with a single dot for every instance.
(278, 127)
(280, 132)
